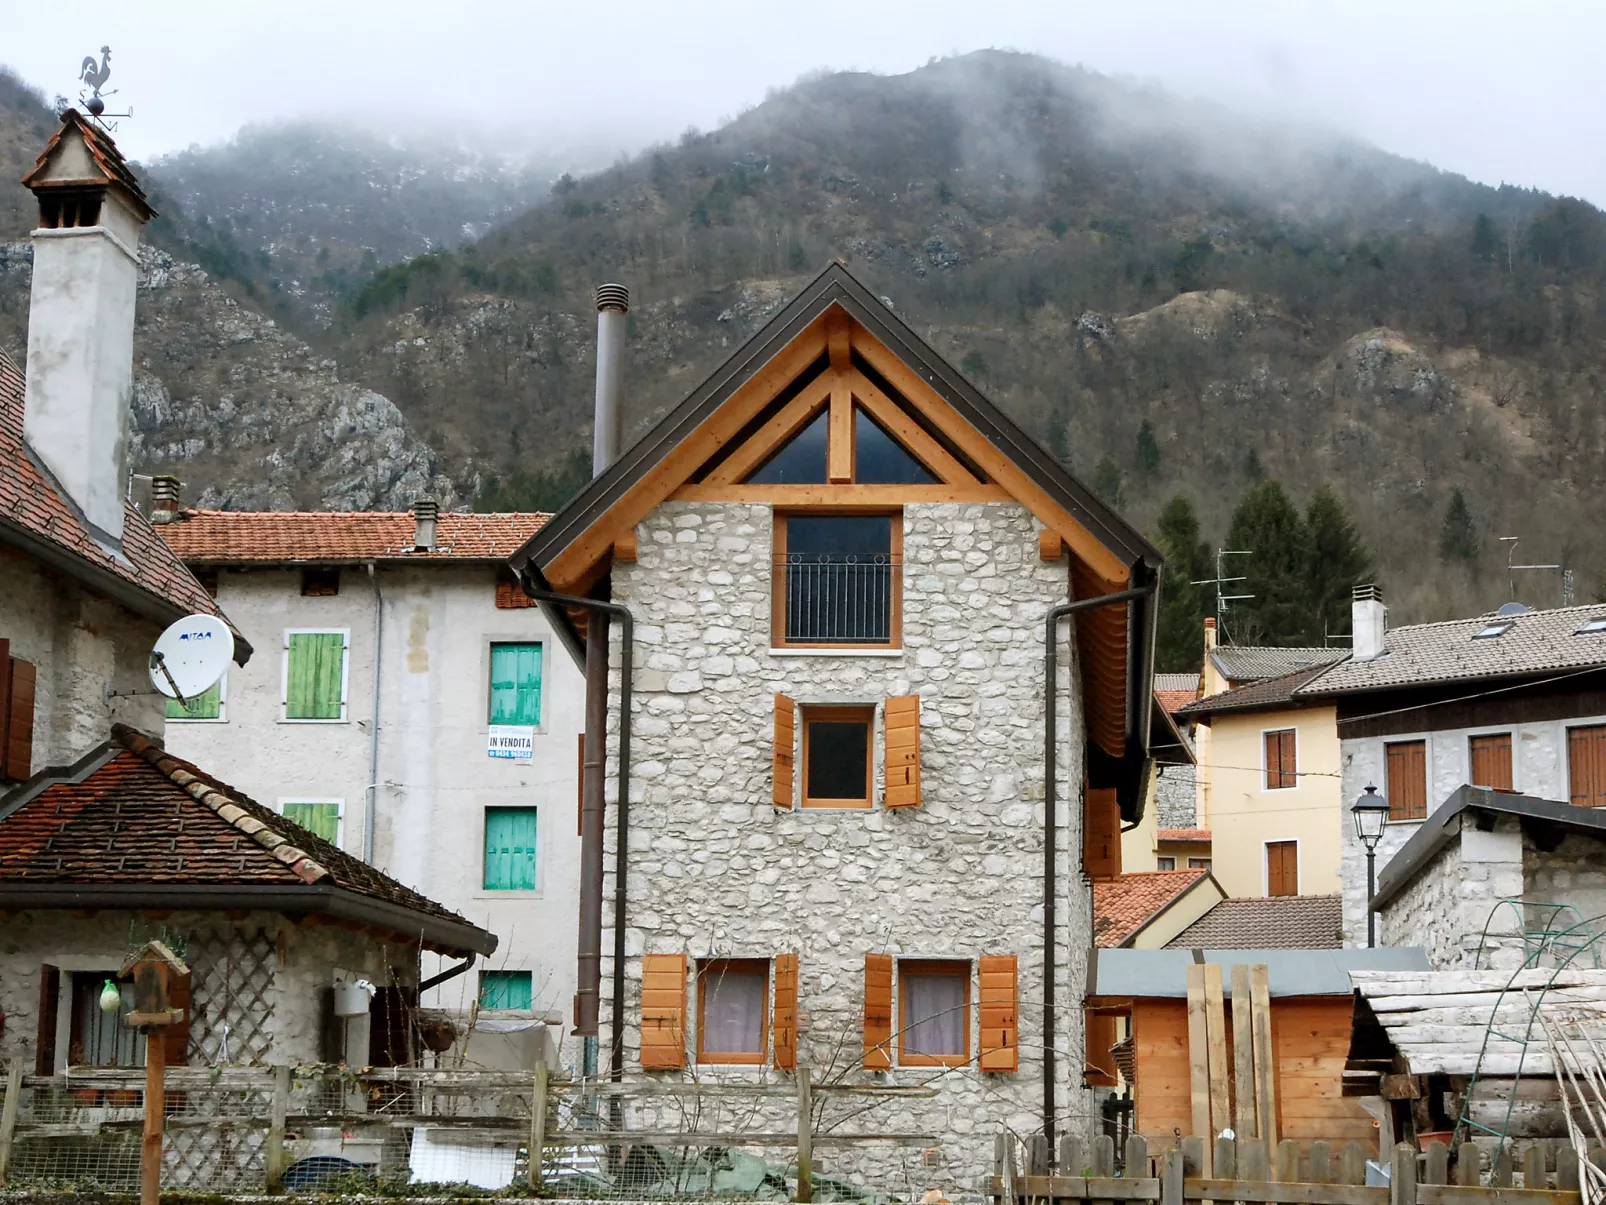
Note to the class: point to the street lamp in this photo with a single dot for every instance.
(1371, 812)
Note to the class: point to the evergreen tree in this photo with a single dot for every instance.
(1107, 482)
(1335, 563)
(1148, 449)
(1183, 605)
(1458, 538)
(1267, 525)
(1485, 242)
(1059, 444)
(1252, 468)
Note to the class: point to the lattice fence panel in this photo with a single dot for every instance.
(231, 979)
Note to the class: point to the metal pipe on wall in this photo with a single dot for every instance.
(371, 803)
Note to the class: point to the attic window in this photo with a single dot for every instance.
(799, 461)
(880, 460)
(1590, 626)
(1494, 631)
(320, 583)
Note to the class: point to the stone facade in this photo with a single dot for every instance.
(716, 870)
(1176, 797)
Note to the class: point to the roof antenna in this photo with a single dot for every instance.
(1221, 579)
(91, 98)
(1511, 571)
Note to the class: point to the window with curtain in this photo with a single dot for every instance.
(934, 1013)
(733, 1010)
(205, 706)
(1407, 768)
(315, 676)
(510, 849)
(321, 818)
(507, 989)
(516, 684)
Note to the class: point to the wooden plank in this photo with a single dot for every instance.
(1265, 1054)
(1352, 1164)
(1216, 1034)
(1456, 1194)
(759, 446)
(1402, 1175)
(274, 1152)
(1171, 1178)
(839, 495)
(1533, 1167)
(1466, 1165)
(1243, 1054)
(538, 1109)
(1284, 1194)
(1078, 1188)
(1287, 1161)
(8, 1113)
(1436, 1164)
(839, 430)
(1198, 1053)
(1321, 1163)
(805, 1137)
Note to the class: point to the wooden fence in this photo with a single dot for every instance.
(1248, 1171)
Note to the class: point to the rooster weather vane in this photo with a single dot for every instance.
(95, 75)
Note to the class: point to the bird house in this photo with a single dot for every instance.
(154, 969)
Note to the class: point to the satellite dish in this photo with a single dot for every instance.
(191, 656)
(1512, 608)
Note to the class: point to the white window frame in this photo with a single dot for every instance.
(1264, 768)
(1265, 863)
(222, 706)
(345, 677)
(340, 812)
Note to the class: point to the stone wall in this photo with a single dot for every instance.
(1573, 873)
(1176, 796)
(716, 870)
(1451, 907)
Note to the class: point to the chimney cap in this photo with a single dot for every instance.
(1371, 592)
(613, 297)
(1210, 622)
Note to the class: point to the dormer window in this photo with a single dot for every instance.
(1592, 626)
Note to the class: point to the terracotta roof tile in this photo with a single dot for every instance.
(145, 817)
(31, 505)
(232, 537)
(1283, 922)
(1121, 907)
(1174, 700)
(1280, 691)
(1184, 834)
(102, 150)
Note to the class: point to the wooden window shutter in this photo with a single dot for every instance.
(901, 718)
(785, 1012)
(663, 1011)
(176, 1040)
(1282, 868)
(1100, 1042)
(44, 1051)
(1000, 1013)
(1407, 769)
(1491, 761)
(785, 753)
(1586, 766)
(1280, 767)
(877, 1012)
(1101, 834)
(16, 755)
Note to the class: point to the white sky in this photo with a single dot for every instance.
(1498, 91)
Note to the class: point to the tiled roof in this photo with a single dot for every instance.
(1121, 907)
(1283, 922)
(1189, 682)
(101, 149)
(1183, 834)
(236, 537)
(1173, 701)
(34, 509)
(1537, 642)
(1268, 692)
(1250, 662)
(133, 815)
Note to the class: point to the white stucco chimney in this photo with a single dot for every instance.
(81, 318)
(1368, 623)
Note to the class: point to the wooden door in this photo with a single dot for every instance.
(1282, 868)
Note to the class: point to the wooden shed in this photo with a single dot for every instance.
(1310, 1011)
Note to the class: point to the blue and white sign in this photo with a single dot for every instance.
(513, 741)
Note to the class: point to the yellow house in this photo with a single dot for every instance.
(1268, 771)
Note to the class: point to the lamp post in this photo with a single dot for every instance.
(1371, 812)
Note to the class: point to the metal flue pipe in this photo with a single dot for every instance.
(613, 304)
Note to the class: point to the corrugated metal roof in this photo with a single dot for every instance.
(1164, 973)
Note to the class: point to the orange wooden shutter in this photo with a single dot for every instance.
(1282, 868)
(663, 1011)
(1101, 834)
(785, 756)
(902, 738)
(1408, 780)
(1491, 761)
(877, 1012)
(17, 753)
(1101, 1068)
(786, 1012)
(1000, 1015)
(1280, 768)
(177, 1038)
(1586, 765)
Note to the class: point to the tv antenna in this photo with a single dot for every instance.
(1512, 570)
(93, 96)
(1222, 580)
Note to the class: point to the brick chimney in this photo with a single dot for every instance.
(81, 318)
(1368, 623)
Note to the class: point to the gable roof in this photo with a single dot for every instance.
(1122, 907)
(1256, 696)
(1281, 922)
(1108, 554)
(38, 518)
(1252, 662)
(132, 825)
(104, 158)
(1537, 642)
(1175, 691)
(247, 537)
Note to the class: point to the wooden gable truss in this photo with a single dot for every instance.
(834, 351)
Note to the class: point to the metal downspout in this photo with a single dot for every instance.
(1050, 830)
(371, 805)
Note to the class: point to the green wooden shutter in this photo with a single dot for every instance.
(315, 676)
(510, 849)
(516, 684)
(322, 819)
(506, 989)
(208, 706)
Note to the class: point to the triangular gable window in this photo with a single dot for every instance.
(801, 459)
(880, 460)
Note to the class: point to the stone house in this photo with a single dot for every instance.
(437, 739)
(857, 833)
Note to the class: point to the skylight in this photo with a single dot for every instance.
(1597, 624)
(1494, 630)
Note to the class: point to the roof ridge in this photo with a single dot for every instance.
(305, 867)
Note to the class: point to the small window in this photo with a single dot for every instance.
(1282, 868)
(510, 849)
(838, 581)
(1589, 626)
(1198, 863)
(1281, 770)
(516, 684)
(320, 583)
(1165, 863)
(507, 989)
(1494, 630)
(733, 1010)
(1407, 768)
(315, 676)
(836, 756)
(1490, 756)
(321, 818)
(207, 705)
(934, 1013)
(97, 1038)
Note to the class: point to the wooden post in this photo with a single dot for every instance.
(8, 1114)
(1216, 1032)
(1254, 1161)
(1533, 1167)
(1243, 1055)
(1567, 1179)
(805, 1135)
(1226, 1160)
(1500, 1169)
(1137, 1157)
(1199, 1058)
(1321, 1163)
(1171, 1178)
(1288, 1161)
(1265, 1055)
(1436, 1169)
(1402, 1175)
(273, 1153)
(1071, 1161)
(1193, 1156)
(150, 1158)
(1352, 1164)
(1468, 1174)
(1103, 1155)
(537, 1125)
